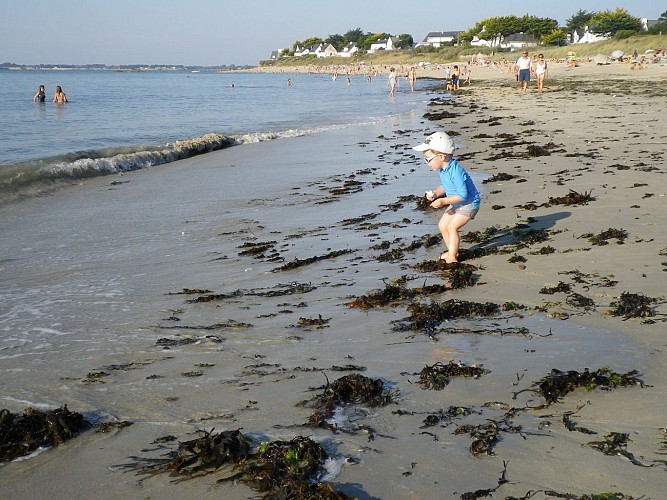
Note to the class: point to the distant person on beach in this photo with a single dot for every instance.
(456, 76)
(457, 191)
(412, 78)
(59, 97)
(540, 72)
(523, 68)
(40, 96)
(289, 82)
(391, 82)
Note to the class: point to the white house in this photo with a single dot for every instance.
(349, 50)
(325, 50)
(585, 36)
(479, 42)
(438, 38)
(384, 44)
(518, 41)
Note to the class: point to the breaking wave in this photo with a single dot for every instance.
(35, 177)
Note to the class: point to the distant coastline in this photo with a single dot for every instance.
(120, 67)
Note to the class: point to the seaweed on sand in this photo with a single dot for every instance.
(278, 469)
(558, 383)
(616, 443)
(438, 376)
(427, 317)
(572, 198)
(458, 274)
(20, 435)
(257, 249)
(603, 237)
(393, 293)
(447, 415)
(633, 305)
(310, 260)
(347, 390)
(500, 177)
(486, 436)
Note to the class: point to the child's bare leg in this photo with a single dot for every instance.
(449, 227)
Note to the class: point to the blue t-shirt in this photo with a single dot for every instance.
(456, 181)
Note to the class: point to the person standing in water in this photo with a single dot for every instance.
(40, 96)
(391, 82)
(59, 97)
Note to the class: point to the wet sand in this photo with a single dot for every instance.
(253, 359)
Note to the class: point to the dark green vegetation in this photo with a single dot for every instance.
(22, 434)
(277, 469)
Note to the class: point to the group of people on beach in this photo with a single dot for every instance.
(59, 96)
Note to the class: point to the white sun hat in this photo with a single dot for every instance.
(439, 142)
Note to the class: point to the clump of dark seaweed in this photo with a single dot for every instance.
(296, 263)
(196, 457)
(570, 496)
(278, 469)
(423, 203)
(318, 322)
(22, 434)
(500, 177)
(572, 198)
(616, 443)
(560, 288)
(394, 292)
(460, 275)
(438, 376)
(603, 237)
(578, 300)
(349, 389)
(633, 305)
(428, 316)
(257, 249)
(558, 383)
(480, 236)
(279, 290)
(446, 416)
(486, 436)
(287, 469)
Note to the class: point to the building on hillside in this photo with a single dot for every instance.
(648, 23)
(439, 38)
(480, 42)
(384, 44)
(584, 35)
(349, 50)
(325, 50)
(518, 41)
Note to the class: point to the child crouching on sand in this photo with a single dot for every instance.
(456, 191)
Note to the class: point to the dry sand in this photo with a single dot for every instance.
(605, 129)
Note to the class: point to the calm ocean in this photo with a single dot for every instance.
(122, 121)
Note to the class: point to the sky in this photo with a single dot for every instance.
(240, 32)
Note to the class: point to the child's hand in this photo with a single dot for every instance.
(439, 203)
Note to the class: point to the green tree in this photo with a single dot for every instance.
(661, 26)
(555, 37)
(354, 36)
(496, 29)
(336, 40)
(405, 41)
(609, 22)
(580, 20)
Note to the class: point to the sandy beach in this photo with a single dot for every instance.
(217, 337)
